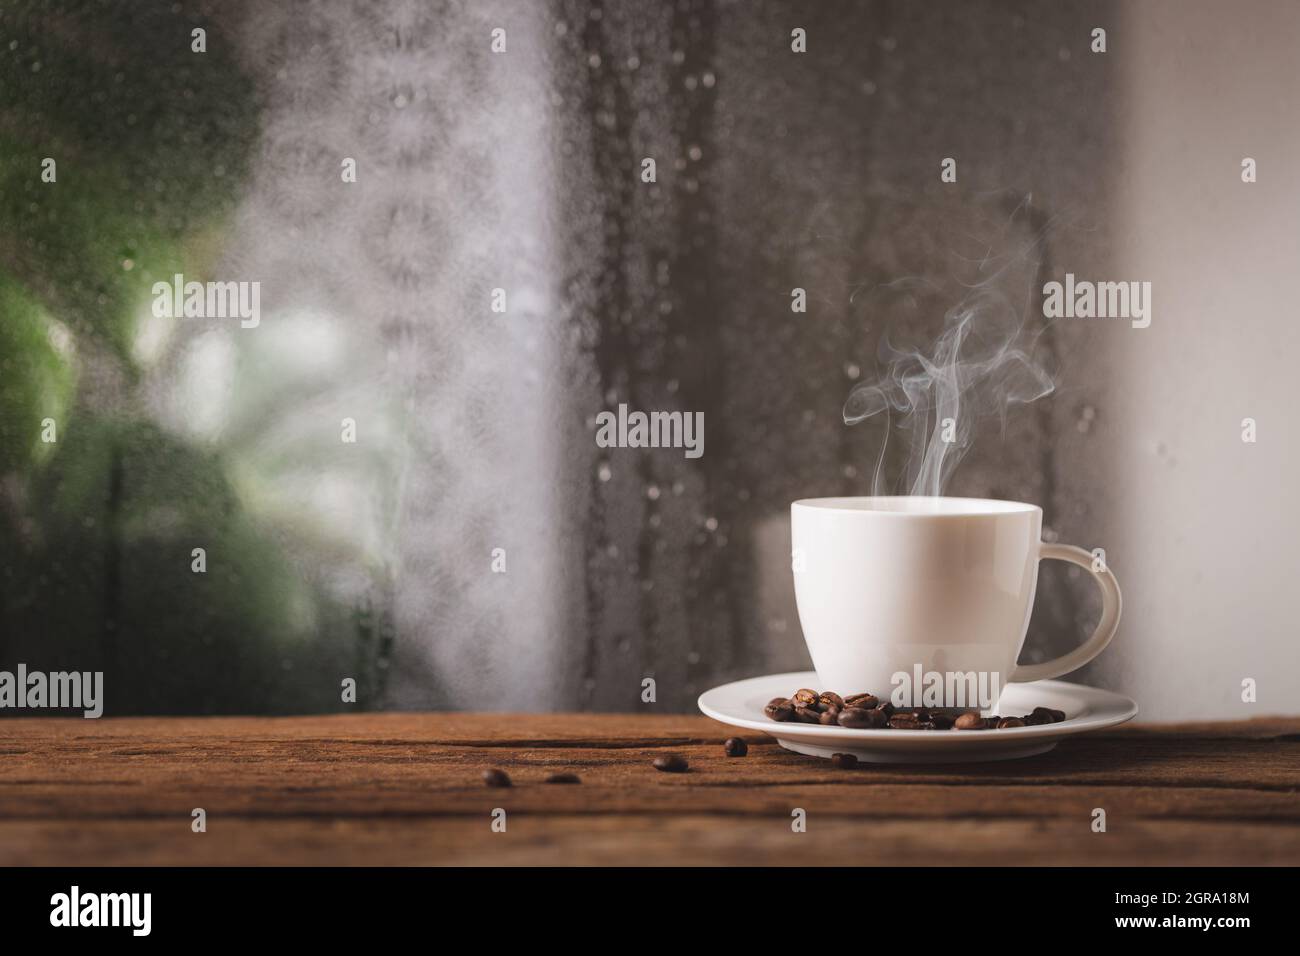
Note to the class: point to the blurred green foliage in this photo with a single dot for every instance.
(35, 380)
(151, 142)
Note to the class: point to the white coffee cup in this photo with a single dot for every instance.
(922, 586)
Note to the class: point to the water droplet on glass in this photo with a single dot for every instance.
(711, 523)
(652, 492)
(603, 471)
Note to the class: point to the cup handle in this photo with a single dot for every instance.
(1111, 604)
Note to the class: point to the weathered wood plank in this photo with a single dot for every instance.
(647, 840)
(431, 756)
(393, 788)
(502, 729)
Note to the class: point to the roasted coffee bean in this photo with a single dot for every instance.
(904, 721)
(1056, 716)
(778, 708)
(865, 701)
(496, 778)
(672, 763)
(735, 747)
(970, 721)
(809, 715)
(844, 761)
(830, 699)
(941, 722)
(564, 778)
(922, 714)
(804, 697)
(829, 716)
(1010, 722)
(886, 708)
(1036, 719)
(855, 718)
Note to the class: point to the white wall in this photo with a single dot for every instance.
(1204, 527)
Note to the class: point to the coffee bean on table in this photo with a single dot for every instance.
(735, 747)
(970, 721)
(844, 761)
(496, 778)
(671, 763)
(865, 701)
(563, 778)
(1010, 722)
(779, 708)
(804, 697)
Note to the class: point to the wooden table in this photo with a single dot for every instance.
(406, 789)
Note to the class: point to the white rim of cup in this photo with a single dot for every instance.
(951, 507)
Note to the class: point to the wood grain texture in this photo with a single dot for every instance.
(406, 789)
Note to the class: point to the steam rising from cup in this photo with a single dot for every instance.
(979, 367)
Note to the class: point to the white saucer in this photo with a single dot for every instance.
(741, 704)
